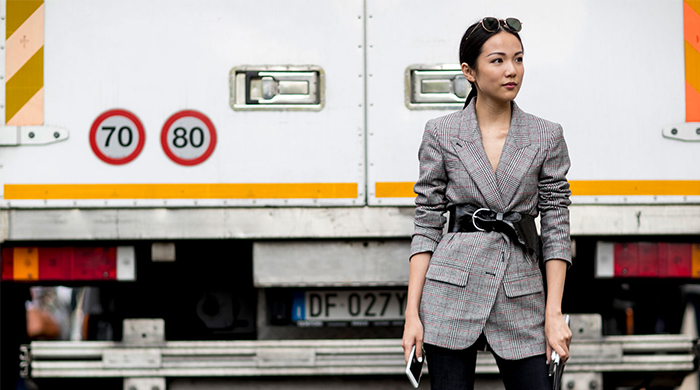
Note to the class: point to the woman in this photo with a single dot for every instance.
(494, 167)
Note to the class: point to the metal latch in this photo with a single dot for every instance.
(441, 86)
(689, 132)
(143, 331)
(277, 88)
(138, 348)
(144, 384)
(31, 135)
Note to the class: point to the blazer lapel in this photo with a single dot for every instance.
(516, 157)
(470, 150)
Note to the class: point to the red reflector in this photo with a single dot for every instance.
(648, 259)
(55, 263)
(678, 260)
(65, 263)
(7, 263)
(626, 259)
(95, 263)
(652, 259)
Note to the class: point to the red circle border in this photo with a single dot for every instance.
(139, 128)
(210, 128)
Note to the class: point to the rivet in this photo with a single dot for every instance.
(697, 131)
(674, 131)
(31, 134)
(56, 135)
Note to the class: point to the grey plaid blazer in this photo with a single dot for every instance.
(482, 282)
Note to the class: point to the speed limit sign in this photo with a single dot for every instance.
(188, 137)
(117, 137)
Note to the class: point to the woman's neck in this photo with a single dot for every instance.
(492, 115)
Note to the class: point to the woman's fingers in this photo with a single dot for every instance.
(558, 339)
(407, 343)
(406, 352)
(412, 335)
(563, 351)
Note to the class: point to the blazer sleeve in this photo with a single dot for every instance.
(431, 202)
(554, 199)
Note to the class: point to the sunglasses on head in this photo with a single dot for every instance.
(491, 24)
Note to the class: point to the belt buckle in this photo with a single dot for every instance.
(474, 219)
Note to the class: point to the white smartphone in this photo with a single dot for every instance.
(414, 368)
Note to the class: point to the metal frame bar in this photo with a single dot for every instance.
(288, 222)
(657, 353)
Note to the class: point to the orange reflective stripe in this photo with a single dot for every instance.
(578, 187)
(634, 187)
(394, 190)
(182, 191)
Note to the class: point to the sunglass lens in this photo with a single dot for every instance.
(514, 24)
(490, 24)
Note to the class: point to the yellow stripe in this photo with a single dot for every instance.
(696, 260)
(394, 190)
(24, 84)
(578, 187)
(634, 187)
(18, 11)
(694, 4)
(25, 263)
(181, 191)
(692, 66)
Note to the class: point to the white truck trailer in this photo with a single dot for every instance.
(235, 179)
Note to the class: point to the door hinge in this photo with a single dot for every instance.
(31, 135)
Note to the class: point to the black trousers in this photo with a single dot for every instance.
(454, 369)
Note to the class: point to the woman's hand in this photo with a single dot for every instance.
(412, 335)
(558, 336)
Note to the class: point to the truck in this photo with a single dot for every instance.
(225, 187)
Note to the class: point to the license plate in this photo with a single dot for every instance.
(374, 305)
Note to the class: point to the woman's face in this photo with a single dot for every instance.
(499, 68)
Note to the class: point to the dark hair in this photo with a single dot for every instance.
(469, 49)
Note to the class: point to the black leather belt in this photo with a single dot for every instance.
(519, 227)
